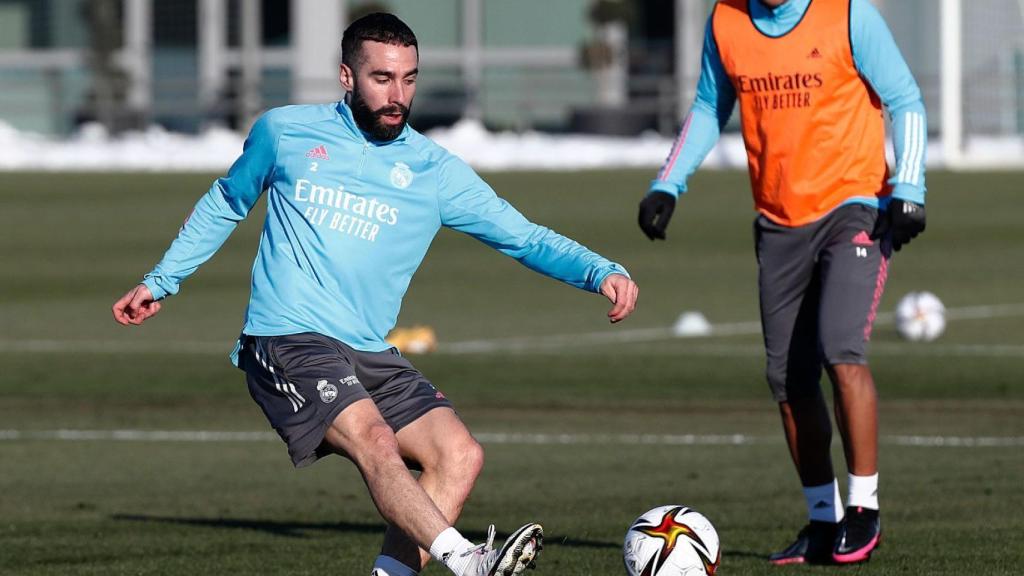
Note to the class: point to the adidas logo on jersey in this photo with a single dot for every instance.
(320, 153)
(814, 54)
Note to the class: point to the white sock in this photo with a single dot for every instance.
(863, 491)
(388, 566)
(447, 549)
(823, 502)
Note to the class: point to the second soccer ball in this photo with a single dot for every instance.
(920, 317)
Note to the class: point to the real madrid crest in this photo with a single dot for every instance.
(328, 391)
(401, 175)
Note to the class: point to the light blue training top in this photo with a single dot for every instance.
(876, 57)
(349, 221)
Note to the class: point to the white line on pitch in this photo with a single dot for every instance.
(723, 350)
(138, 435)
(554, 341)
(506, 438)
(542, 342)
(116, 346)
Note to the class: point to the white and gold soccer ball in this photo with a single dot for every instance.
(671, 541)
(920, 317)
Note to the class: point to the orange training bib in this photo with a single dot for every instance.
(813, 128)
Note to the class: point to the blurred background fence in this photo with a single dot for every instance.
(584, 66)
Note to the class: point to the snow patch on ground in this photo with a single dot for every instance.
(157, 150)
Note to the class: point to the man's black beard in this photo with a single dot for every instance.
(370, 120)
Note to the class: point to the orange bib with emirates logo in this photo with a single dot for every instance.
(813, 128)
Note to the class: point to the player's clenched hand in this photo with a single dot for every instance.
(655, 212)
(902, 222)
(135, 306)
(623, 293)
(906, 221)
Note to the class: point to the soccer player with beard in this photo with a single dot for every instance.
(811, 78)
(355, 197)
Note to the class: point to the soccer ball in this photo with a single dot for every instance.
(920, 317)
(671, 541)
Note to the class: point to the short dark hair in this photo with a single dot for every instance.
(376, 27)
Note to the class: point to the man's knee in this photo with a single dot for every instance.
(440, 444)
(851, 377)
(364, 442)
(851, 372)
(463, 458)
(472, 458)
(381, 438)
(459, 461)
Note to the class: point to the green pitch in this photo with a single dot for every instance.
(550, 366)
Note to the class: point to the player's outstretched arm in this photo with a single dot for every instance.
(469, 205)
(135, 306)
(218, 212)
(622, 292)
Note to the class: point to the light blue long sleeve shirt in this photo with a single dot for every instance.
(349, 221)
(877, 59)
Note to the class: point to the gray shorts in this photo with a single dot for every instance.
(303, 381)
(820, 286)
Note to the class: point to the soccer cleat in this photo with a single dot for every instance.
(860, 533)
(517, 554)
(813, 545)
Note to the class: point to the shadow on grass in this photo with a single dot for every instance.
(300, 529)
(273, 527)
(744, 554)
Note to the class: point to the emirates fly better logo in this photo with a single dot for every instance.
(780, 91)
(335, 208)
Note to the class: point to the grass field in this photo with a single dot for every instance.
(591, 392)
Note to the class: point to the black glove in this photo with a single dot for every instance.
(655, 212)
(902, 222)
